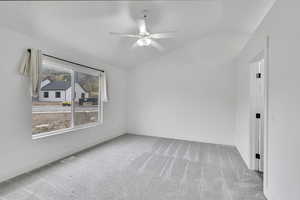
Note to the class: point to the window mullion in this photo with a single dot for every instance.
(73, 98)
(100, 102)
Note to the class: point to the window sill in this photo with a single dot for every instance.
(59, 132)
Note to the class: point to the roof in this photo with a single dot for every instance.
(57, 85)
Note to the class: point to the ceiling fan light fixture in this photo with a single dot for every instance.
(144, 42)
(144, 37)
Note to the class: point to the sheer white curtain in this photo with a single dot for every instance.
(103, 87)
(30, 67)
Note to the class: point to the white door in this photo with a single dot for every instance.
(257, 112)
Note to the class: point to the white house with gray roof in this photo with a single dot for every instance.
(60, 91)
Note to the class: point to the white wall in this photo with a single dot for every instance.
(281, 24)
(79, 90)
(69, 94)
(52, 95)
(18, 152)
(183, 95)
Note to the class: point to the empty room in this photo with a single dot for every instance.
(150, 100)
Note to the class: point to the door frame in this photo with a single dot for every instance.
(264, 54)
(266, 116)
(256, 130)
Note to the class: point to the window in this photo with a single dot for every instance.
(46, 94)
(86, 109)
(57, 94)
(59, 109)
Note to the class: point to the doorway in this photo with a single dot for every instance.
(259, 68)
(257, 90)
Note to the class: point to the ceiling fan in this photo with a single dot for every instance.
(144, 37)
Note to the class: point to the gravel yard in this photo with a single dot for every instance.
(55, 117)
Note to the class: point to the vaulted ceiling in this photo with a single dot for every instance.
(85, 26)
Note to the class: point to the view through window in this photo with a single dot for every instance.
(69, 97)
(86, 98)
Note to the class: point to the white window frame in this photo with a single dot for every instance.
(74, 68)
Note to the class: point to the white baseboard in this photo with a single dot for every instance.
(191, 139)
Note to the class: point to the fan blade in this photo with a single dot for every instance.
(156, 45)
(163, 35)
(142, 26)
(125, 35)
(135, 45)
